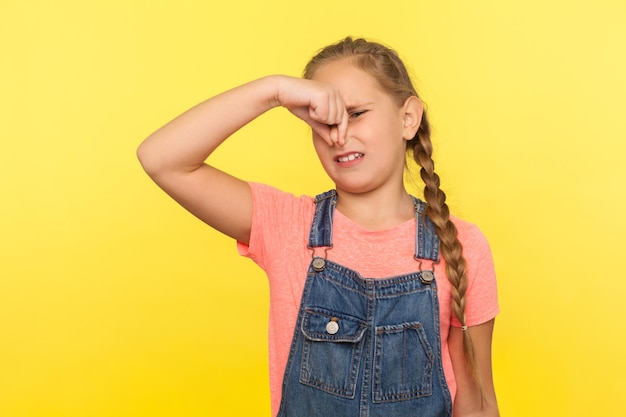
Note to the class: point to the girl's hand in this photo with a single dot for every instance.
(320, 105)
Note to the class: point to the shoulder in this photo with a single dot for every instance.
(272, 207)
(481, 294)
(477, 253)
(277, 217)
(471, 237)
(268, 196)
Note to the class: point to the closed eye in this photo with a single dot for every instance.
(356, 114)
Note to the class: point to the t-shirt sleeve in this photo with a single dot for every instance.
(481, 296)
(275, 215)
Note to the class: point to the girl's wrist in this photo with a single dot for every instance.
(273, 84)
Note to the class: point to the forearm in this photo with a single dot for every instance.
(473, 399)
(184, 144)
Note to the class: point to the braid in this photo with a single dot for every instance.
(451, 249)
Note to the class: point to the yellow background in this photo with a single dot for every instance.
(115, 302)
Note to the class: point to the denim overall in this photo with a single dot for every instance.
(366, 347)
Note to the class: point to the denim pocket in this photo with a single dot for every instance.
(331, 354)
(403, 363)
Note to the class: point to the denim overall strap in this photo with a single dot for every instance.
(322, 228)
(427, 241)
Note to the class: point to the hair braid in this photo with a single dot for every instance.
(451, 248)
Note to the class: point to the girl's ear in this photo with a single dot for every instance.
(412, 111)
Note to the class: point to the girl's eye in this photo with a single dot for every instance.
(356, 114)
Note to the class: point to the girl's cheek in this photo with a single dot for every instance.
(320, 146)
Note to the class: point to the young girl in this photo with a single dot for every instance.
(381, 304)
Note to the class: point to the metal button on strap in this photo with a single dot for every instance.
(319, 264)
(332, 327)
(427, 277)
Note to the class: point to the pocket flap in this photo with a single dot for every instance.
(315, 326)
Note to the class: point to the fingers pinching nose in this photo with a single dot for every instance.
(333, 133)
(337, 137)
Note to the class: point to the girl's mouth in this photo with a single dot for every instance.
(349, 157)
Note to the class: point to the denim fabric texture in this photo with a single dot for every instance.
(366, 347)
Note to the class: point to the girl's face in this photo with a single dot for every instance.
(373, 155)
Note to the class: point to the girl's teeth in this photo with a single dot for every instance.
(350, 157)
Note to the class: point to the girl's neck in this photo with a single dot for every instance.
(377, 210)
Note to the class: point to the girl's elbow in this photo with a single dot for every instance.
(149, 160)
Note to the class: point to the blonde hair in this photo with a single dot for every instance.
(386, 67)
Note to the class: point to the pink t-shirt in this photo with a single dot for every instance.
(278, 243)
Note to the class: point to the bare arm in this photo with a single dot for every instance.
(174, 155)
(468, 398)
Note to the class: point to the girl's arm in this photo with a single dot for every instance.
(468, 397)
(174, 155)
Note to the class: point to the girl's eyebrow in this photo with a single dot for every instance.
(353, 107)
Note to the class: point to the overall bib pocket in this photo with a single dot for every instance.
(403, 363)
(331, 351)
